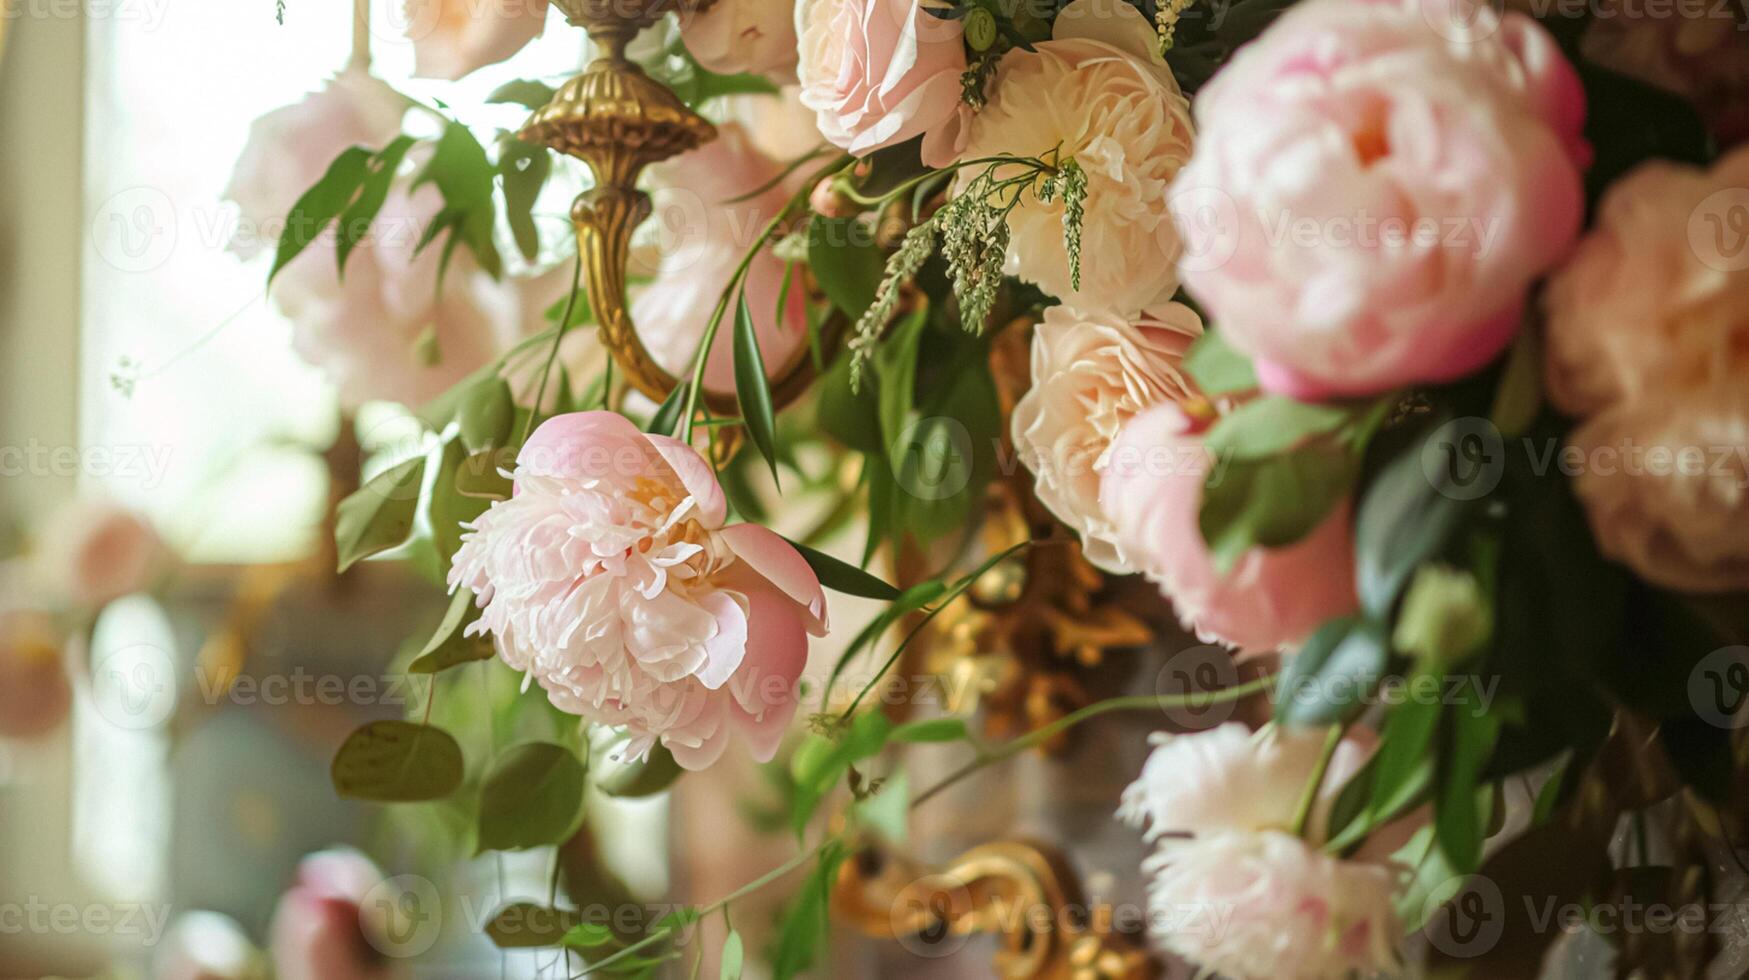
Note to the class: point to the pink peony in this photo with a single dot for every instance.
(735, 36)
(452, 38)
(610, 578)
(880, 72)
(321, 929)
(1099, 94)
(1272, 597)
(710, 236)
(92, 552)
(385, 331)
(1655, 299)
(1375, 187)
(1091, 373)
(290, 148)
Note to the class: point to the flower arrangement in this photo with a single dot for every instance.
(1398, 346)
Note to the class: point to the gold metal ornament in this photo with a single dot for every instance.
(1023, 892)
(618, 120)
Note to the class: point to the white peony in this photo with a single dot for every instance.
(1091, 373)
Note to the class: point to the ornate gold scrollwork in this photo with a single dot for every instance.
(618, 120)
(1022, 892)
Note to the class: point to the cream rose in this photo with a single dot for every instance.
(1091, 372)
(1097, 93)
(1654, 300)
(880, 72)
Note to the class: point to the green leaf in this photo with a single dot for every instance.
(532, 796)
(379, 515)
(1272, 425)
(525, 925)
(356, 220)
(896, 365)
(651, 775)
(846, 263)
(464, 176)
(397, 762)
(732, 956)
(910, 600)
(887, 812)
(666, 421)
(525, 92)
(752, 389)
(321, 204)
(487, 412)
(932, 730)
(1217, 368)
(1328, 679)
(697, 85)
(1402, 521)
(819, 763)
(851, 417)
(524, 168)
(1271, 502)
(448, 508)
(1519, 396)
(448, 647)
(806, 920)
(587, 935)
(1457, 813)
(840, 576)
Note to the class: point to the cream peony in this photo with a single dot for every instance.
(1655, 299)
(1100, 94)
(91, 552)
(1265, 906)
(290, 148)
(1271, 598)
(880, 72)
(1091, 372)
(322, 929)
(710, 237)
(1376, 186)
(452, 38)
(385, 331)
(1665, 480)
(735, 36)
(610, 578)
(1232, 888)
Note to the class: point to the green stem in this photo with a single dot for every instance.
(1309, 797)
(540, 393)
(1137, 702)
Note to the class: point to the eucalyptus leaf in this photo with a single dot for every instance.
(448, 508)
(378, 516)
(653, 774)
(448, 646)
(532, 796)
(397, 762)
(487, 412)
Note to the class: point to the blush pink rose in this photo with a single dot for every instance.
(1091, 373)
(707, 237)
(880, 72)
(385, 332)
(322, 929)
(91, 552)
(452, 38)
(610, 578)
(1375, 187)
(1655, 299)
(1272, 597)
(753, 36)
(290, 148)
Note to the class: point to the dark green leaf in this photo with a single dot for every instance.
(532, 796)
(851, 417)
(448, 508)
(1329, 678)
(321, 204)
(846, 263)
(448, 647)
(844, 577)
(486, 412)
(1458, 819)
(379, 515)
(397, 762)
(647, 777)
(464, 175)
(525, 925)
(806, 920)
(1271, 502)
(666, 421)
(752, 389)
(1402, 521)
(524, 168)
(356, 220)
